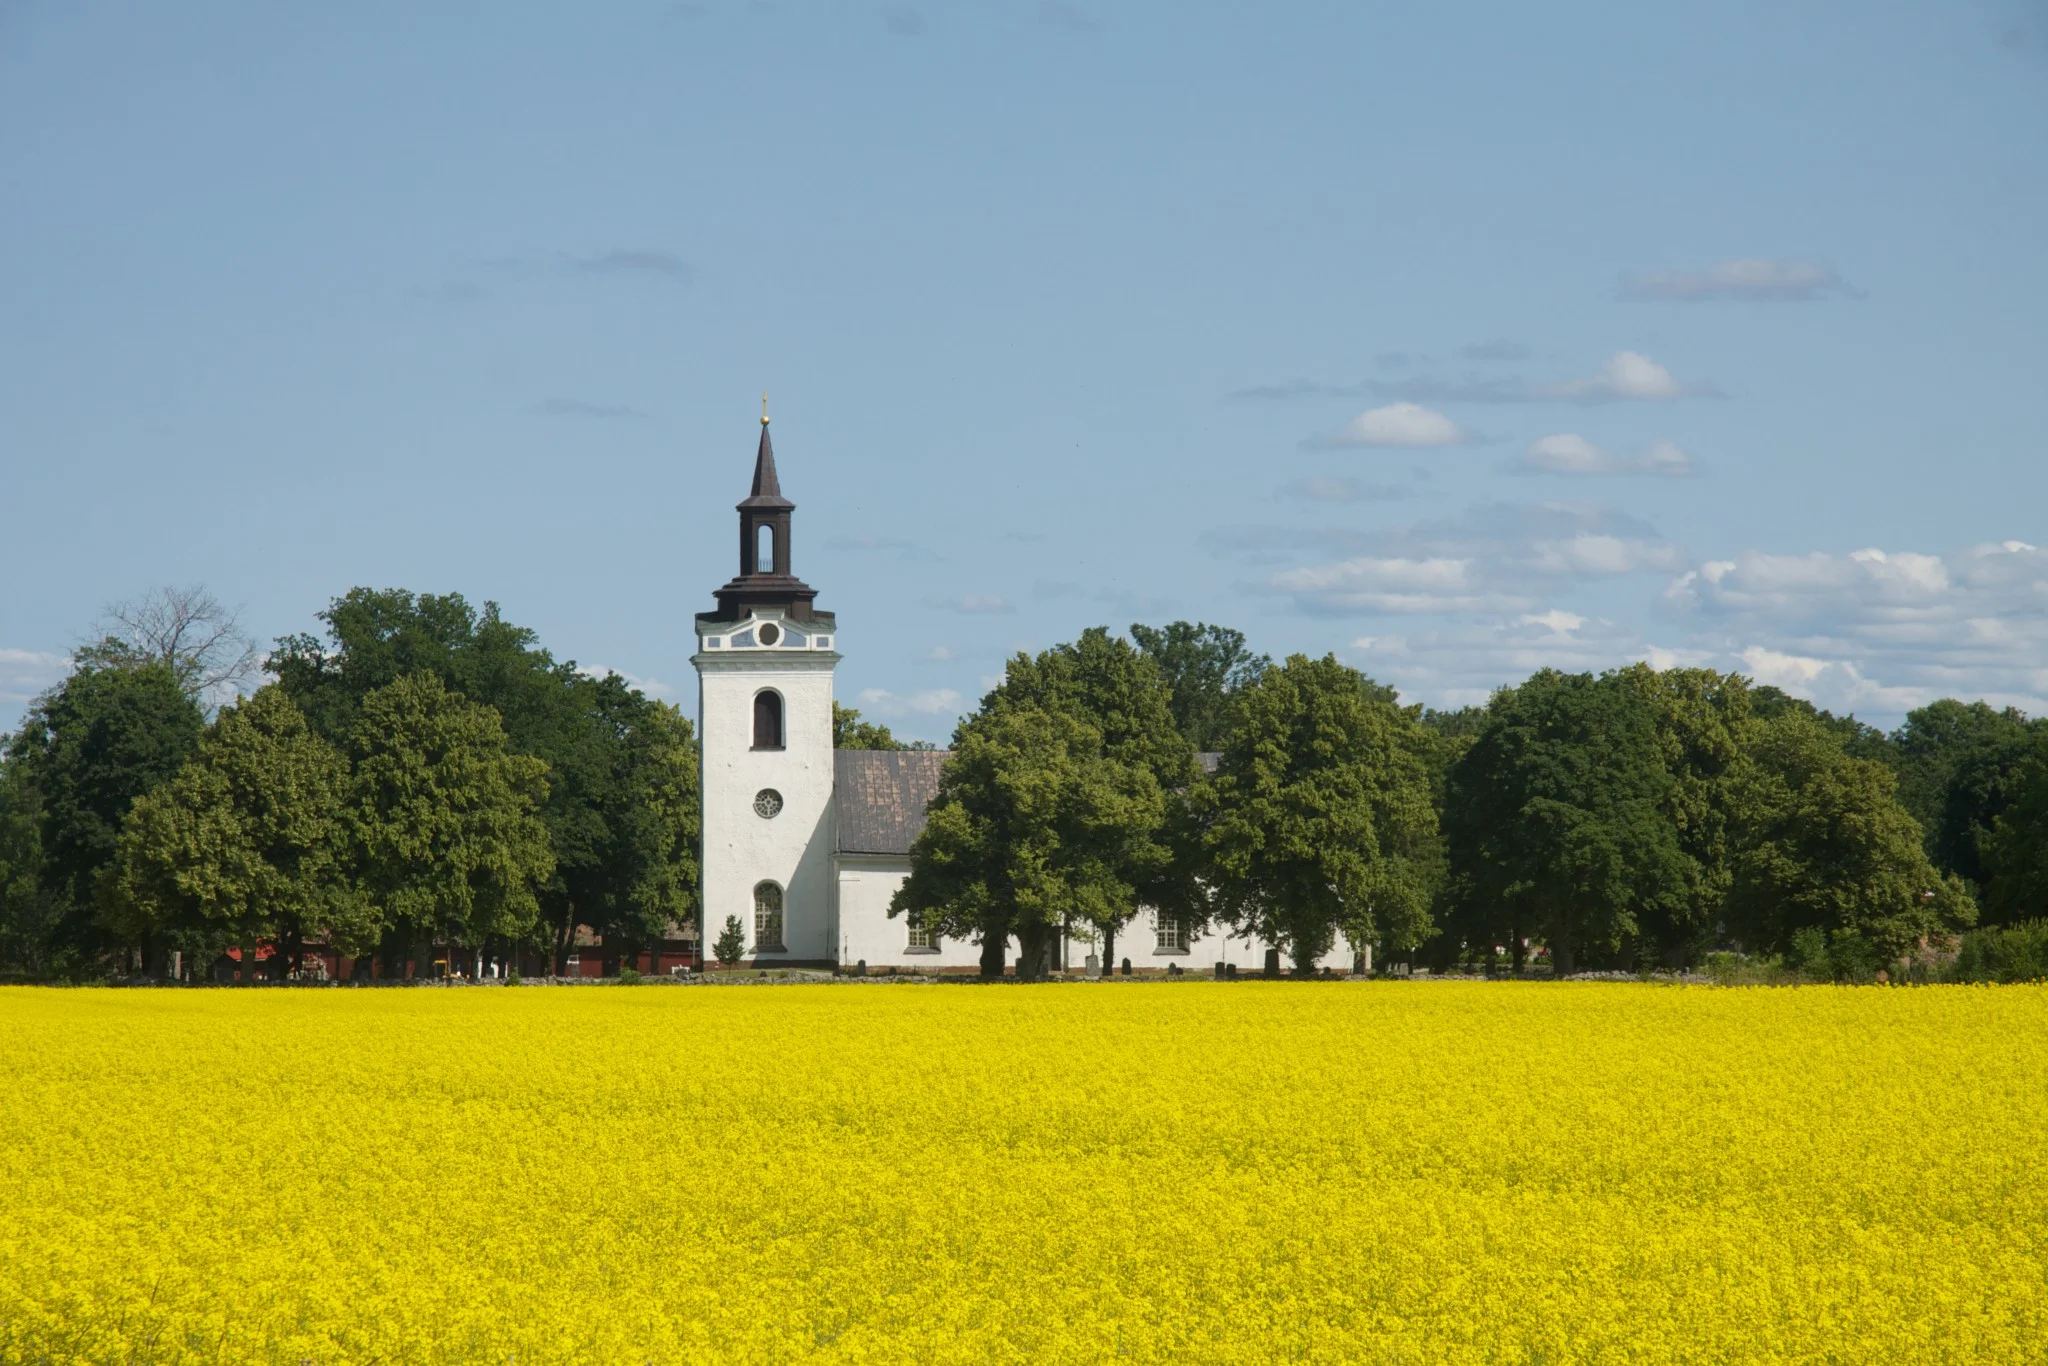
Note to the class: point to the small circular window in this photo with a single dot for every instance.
(767, 803)
(770, 633)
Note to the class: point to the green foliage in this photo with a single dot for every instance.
(441, 816)
(1203, 666)
(731, 942)
(1057, 809)
(630, 976)
(88, 749)
(850, 732)
(1960, 765)
(2009, 953)
(1823, 844)
(1033, 828)
(1320, 812)
(1558, 820)
(1840, 955)
(622, 800)
(2014, 852)
(245, 843)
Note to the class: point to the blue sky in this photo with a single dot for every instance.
(1454, 339)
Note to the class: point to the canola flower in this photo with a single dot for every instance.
(1203, 1172)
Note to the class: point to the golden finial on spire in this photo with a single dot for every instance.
(764, 407)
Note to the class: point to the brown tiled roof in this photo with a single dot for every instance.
(882, 794)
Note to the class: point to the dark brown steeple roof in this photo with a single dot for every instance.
(767, 491)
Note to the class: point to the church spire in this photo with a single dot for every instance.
(765, 579)
(767, 490)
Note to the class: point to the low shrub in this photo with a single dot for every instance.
(2009, 953)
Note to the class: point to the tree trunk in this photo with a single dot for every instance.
(1032, 944)
(423, 959)
(995, 944)
(1562, 959)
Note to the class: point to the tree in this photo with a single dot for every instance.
(187, 630)
(441, 818)
(1704, 731)
(1033, 828)
(1556, 820)
(1959, 767)
(245, 844)
(1821, 843)
(850, 732)
(1123, 697)
(582, 727)
(731, 942)
(640, 885)
(1203, 665)
(1321, 812)
(88, 749)
(2014, 852)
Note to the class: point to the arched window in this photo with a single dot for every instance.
(767, 918)
(764, 548)
(767, 719)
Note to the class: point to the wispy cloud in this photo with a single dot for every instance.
(26, 673)
(977, 604)
(1396, 424)
(1626, 375)
(931, 702)
(1571, 454)
(1336, 488)
(1756, 279)
(630, 261)
(576, 407)
(869, 541)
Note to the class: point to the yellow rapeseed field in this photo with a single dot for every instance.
(1149, 1171)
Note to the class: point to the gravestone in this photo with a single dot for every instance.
(1272, 962)
(1127, 967)
(1222, 971)
(1092, 967)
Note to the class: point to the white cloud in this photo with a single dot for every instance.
(1751, 279)
(931, 702)
(939, 654)
(1397, 424)
(1557, 620)
(1496, 558)
(1627, 375)
(1883, 631)
(1571, 454)
(26, 673)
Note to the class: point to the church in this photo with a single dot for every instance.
(804, 844)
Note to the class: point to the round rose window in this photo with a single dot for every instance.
(770, 633)
(767, 802)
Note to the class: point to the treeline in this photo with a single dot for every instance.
(1630, 820)
(423, 775)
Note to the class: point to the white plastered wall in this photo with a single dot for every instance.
(793, 848)
(865, 882)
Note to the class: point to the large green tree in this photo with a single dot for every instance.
(1203, 666)
(1959, 767)
(623, 867)
(89, 748)
(1033, 830)
(245, 844)
(1821, 842)
(1557, 820)
(442, 818)
(1704, 732)
(1320, 816)
(1121, 694)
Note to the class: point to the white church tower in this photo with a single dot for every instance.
(764, 720)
